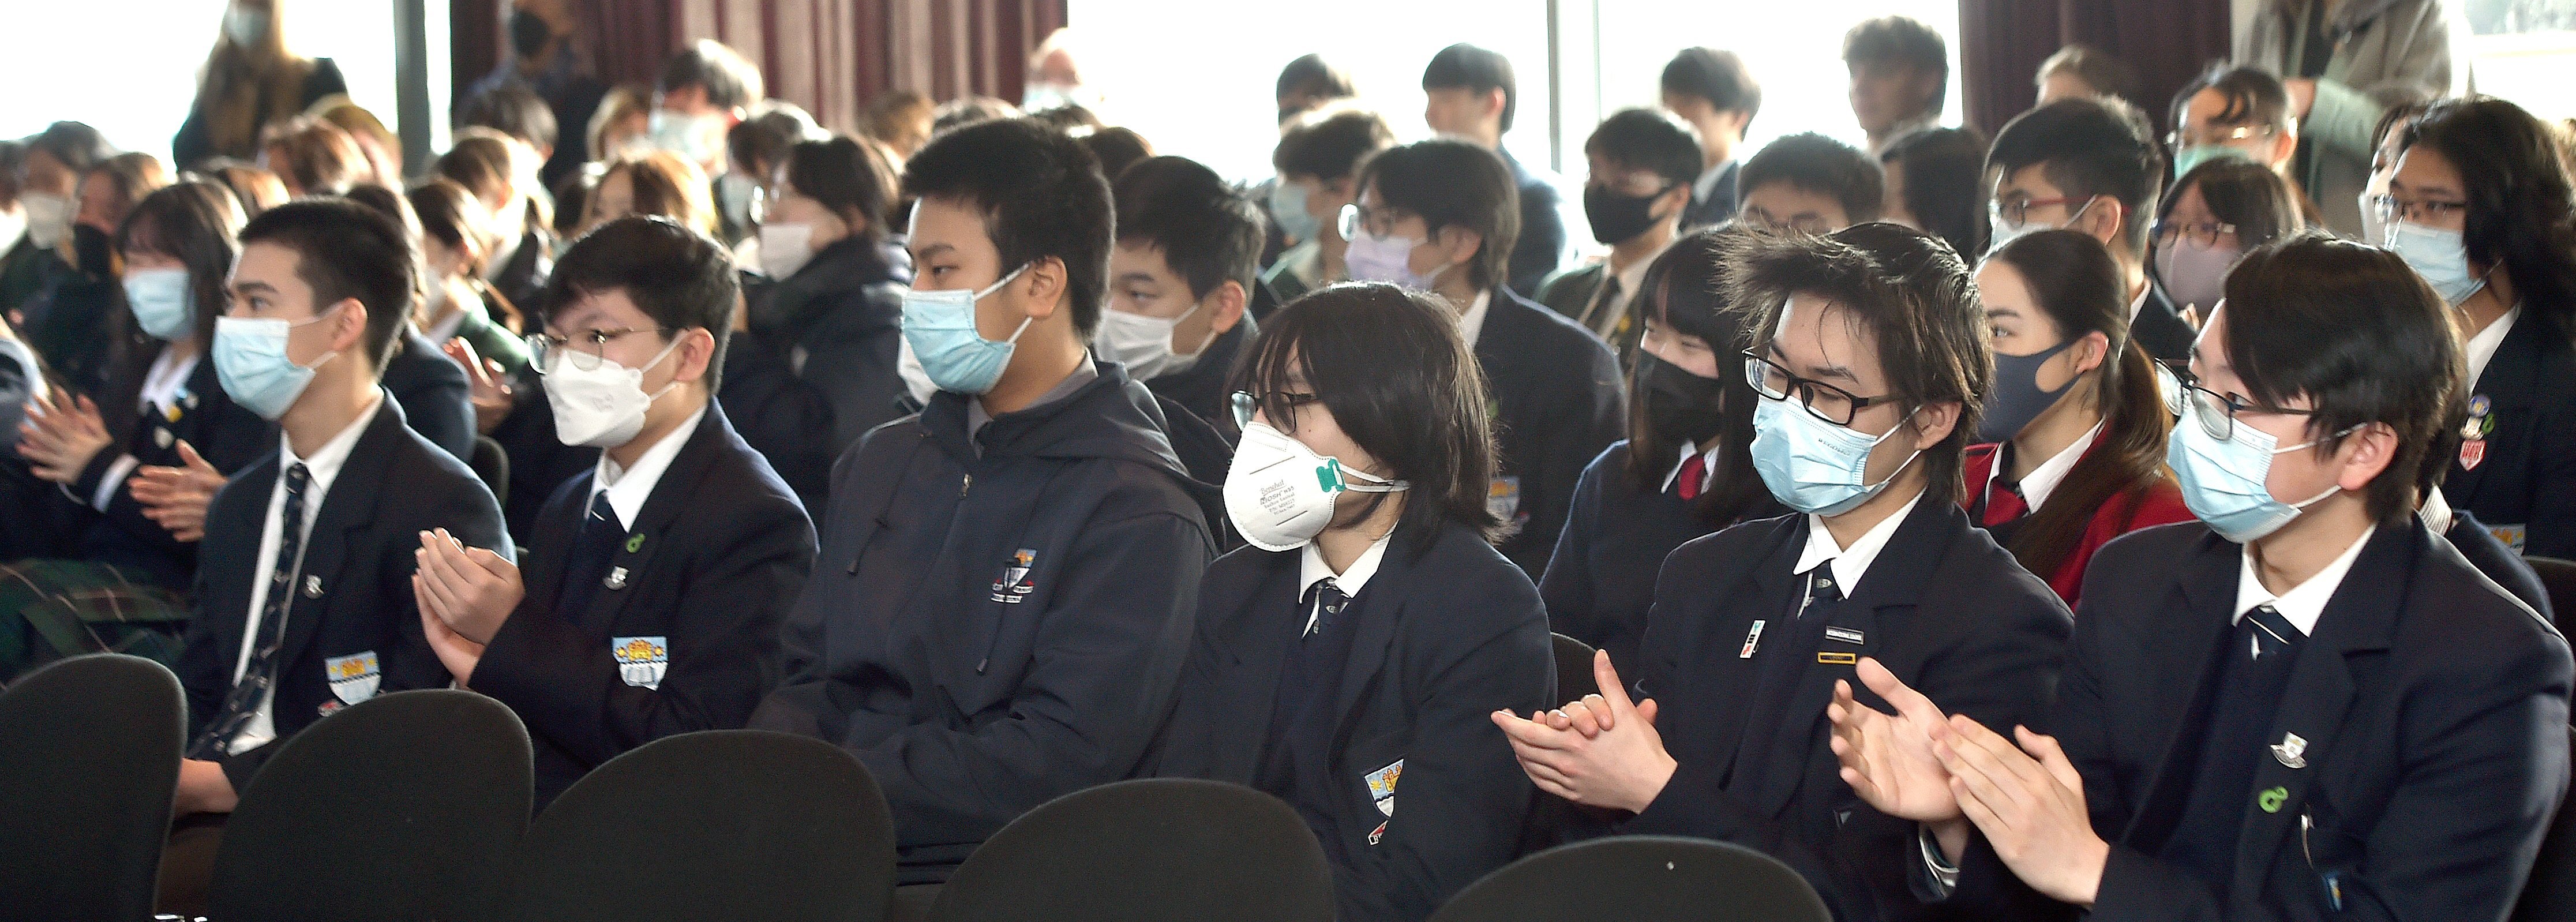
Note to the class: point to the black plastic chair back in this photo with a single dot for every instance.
(2550, 894)
(403, 806)
(719, 824)
(89, 754)
(1640, 879)
(491, 464)
(1573, 669)
(1151, 850)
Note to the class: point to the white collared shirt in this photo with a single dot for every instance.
(2044, 479)
(1706, 184)
(1602, 315)
(1473, 321)
(319, 470)
(1850, 563)
(1312, 569)
(1690, 453)
(2482, 347)
(628, 488)
(165, 384)
(2305, 602)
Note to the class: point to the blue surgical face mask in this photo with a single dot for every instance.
(940, 325)
(159, 299)
(2223, 481)
(2190, 158)
(2440, 256)
(251, 362)
(1811, 465)
(1288, 207)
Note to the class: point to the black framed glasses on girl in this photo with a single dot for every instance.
(1245, 404)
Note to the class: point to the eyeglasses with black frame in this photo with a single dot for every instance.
(586, 350)
(1245, 404)
(2391, 209)
(2216, 411)
(1821, 400)
(2202, 234)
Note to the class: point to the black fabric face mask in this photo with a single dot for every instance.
(92, 251)
(1616, 217)
(529, 33)
(1681, 406)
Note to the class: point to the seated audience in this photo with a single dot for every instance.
(1810, 184)
(1935, 183)
(1682, 472)
(1642, 163)
(2206, 764)
(1716, 94)
(2088, 165)
(502, 173)
(1181, 273)
(1072, 552)
(1472, 96)
(1439, 216)
(47, 179)
(2075, 426)
(1370, 620)
(314, 157)
(2211, 217)
(1871, 371)
(70, 322)
(2084, 71)
(1318, 159)
(2479, 206)
(650, 598)
(1900, 74)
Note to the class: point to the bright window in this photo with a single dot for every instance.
(2524, 52)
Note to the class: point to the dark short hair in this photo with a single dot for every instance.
(729, 79)
(75, 145)
(759, 142)
(1450, 183)
(1391, 368)
(1330, 146)
(2522, 212)
(1477, 70)
(1909, 290)
(1717, 76)
(321, 158)
(1685, 289)
(1944, 171)
(193, 222)
(1900, 40)
(2353, 330)
(1811, 162)
(1311, 75)
(346, 250)
(1648, 139)
(969, 110)
(1117, 148)
(846, 176)
(1041, 195)
(512, 108)
(450, 214)
(1068, 117)
(2252, 96)
(1209, 235)
(674, 275)
(2087, 147)
(2244, 193)
(2107, 75)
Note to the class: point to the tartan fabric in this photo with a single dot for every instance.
(53, 609)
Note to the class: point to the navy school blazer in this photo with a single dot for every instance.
(1558, 400)
(2519, 475)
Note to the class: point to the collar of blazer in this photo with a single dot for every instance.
(668, 501)
(1267, 611)
(342, 512)
(2361, 618)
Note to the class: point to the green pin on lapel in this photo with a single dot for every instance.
(2271, 799)
(634, 541)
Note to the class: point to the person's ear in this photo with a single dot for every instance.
(1494, 103)
(2285, 144)
(1042, 287)
(2092, 351)
(1735, 120)
(1225, 308)
(1933, 423)
(696, 354)
(2104, 220)
(349, 327)
(1461, 243)
(1680, 197)
(2366, 454)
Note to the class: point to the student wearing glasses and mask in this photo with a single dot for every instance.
(1870, 363)
(1350, 654)
(2479, 206)
(2304, 705)
(2088, 164)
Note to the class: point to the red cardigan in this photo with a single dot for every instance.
(2161, 504)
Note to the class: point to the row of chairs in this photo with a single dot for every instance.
(414, 805)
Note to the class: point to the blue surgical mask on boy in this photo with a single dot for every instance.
(1288, 207)
(1811, 465)
(2223, 480)
(940, 325)
(251, 363)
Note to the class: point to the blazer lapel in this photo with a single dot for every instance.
(1251, 644)
(1372, 636)
(2506, 392)
(669, 498)
(1733, 672)
(349, 507)
(541, 572)
(2207, 584)
(2360, 618)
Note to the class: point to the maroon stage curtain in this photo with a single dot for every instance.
(830, 56)
(2002, 42)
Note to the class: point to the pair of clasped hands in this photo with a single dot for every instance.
(63, 433)
(1947, 772)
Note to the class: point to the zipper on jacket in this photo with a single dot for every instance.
(962, 485)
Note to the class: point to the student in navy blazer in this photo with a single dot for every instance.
(339, 276)
(2306, 705)
(2504, 256)
(1755, 627)
(1350, 655)
(650, 600)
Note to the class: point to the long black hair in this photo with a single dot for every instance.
(2522, 214)
(194, 222)
(1684, 289)
(1390, 367)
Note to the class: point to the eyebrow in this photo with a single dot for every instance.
(253, 287)
(1128, 277)
(935, 249)
(1837, 372)
(2394, 185)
